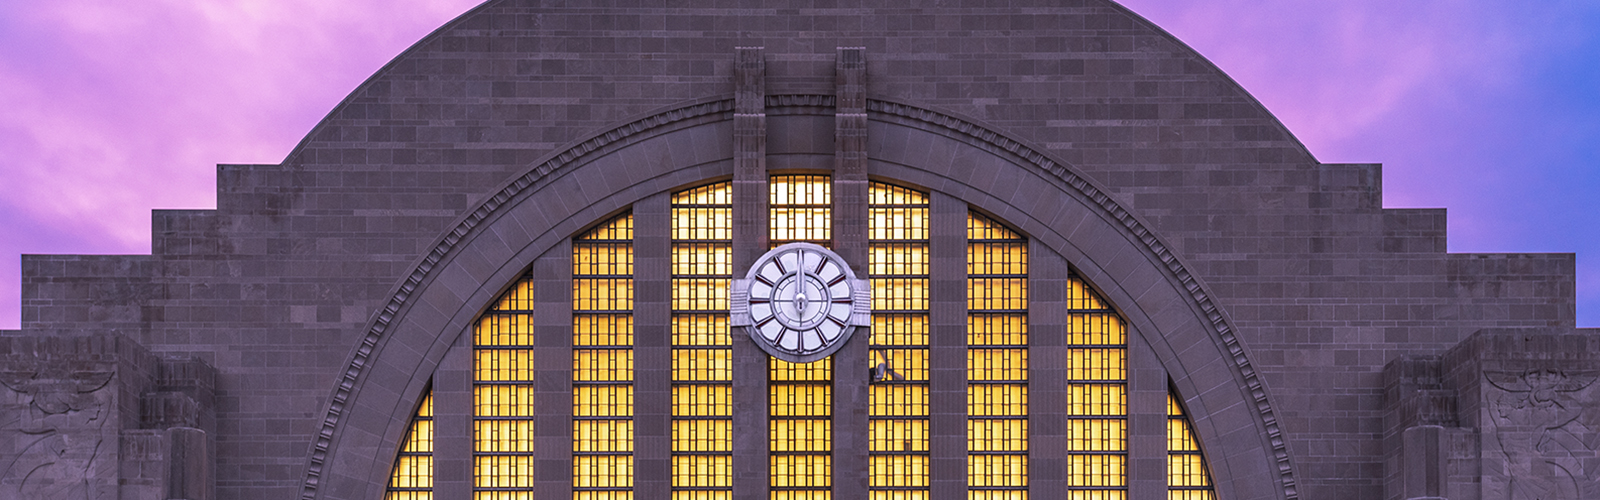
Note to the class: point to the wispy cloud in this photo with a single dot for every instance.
(114, 108)
(1486, 108)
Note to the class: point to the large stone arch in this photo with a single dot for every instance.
(487, 249)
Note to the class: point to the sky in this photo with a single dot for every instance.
(109, 109)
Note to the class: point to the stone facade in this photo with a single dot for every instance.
(1319, 340)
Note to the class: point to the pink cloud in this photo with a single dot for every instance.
(1332, 69)
(114, 108)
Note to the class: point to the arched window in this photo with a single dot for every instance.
(1083, 335)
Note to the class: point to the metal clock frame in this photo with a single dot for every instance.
(860, 294)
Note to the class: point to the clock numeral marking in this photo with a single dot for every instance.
(835, 321)
(764, 280)
(836, 280)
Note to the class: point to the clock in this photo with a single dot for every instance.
(800, 302)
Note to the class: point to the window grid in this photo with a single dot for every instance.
(1097, 406)
(801, 428)
(997, 361)
(800, 404)
(897, 263)
(800, 433)
(412, 478)
(1187, 475)
(702, 371)
(801, 208)
(503, 396)
(602, 362)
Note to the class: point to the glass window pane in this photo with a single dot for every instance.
(1188, 478)
(898, 263)
(1096, 470)
(801, 209)
(997, 360)
(412, 475)
(702, 348)
(602, 361)
(1097, 435)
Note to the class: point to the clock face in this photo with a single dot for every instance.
(800, 302)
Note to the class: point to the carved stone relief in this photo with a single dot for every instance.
(1543, 425)
(55, 431)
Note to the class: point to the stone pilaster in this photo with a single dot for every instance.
(1147, 420)
(750, 472)
(850, 391)
(947, 317)
(552, 327)
(652, 347)
(453, 405)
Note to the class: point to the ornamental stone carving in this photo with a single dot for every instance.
(97, 417)
(1542, 426)
(56, 433)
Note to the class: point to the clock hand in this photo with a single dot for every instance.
(800, 284)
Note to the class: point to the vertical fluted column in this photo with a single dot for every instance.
(850, 391)
(749, 157)
(850, 160)
(750, 467)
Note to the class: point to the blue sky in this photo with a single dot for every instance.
(1490, 109)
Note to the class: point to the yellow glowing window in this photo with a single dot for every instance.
(702, 351)
(897, 265)
(800, 434)
(800, 396)
(1097, 400)
(997, 361)
(1188, 478)
(602, 361)
(503, 377)
(802, 209)
(412, 478)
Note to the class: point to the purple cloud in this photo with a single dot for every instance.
(1485, 108)
(115, 108)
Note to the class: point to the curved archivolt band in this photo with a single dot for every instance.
(878, 110)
